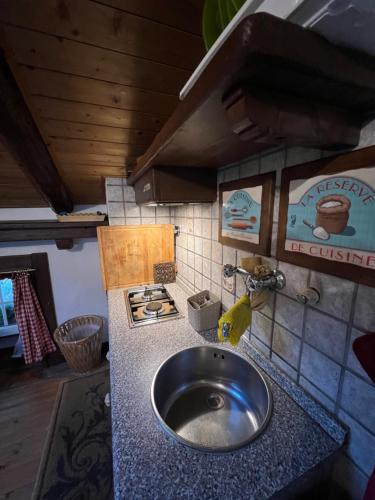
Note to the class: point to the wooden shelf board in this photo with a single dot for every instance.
(267, 53)
(47, 230)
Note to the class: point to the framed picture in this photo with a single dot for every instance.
(327, 216)
(246, 213)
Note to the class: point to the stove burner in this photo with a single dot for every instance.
(147, 294)
(153, 308)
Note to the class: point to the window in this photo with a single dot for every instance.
(8, 325)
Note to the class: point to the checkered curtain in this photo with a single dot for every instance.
(36, 339)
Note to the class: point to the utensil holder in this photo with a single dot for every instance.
(207, 316)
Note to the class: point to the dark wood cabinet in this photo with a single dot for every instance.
(176, 185)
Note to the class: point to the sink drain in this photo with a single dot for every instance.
(215, 401)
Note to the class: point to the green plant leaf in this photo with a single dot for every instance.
(217, 14)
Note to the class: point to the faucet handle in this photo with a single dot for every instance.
(229, 270)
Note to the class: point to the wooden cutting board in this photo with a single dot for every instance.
(128, 253)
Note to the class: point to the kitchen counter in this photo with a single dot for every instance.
(147, 463)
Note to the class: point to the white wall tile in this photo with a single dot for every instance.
(163, 220)
(198, 227)
(364, 317)
(206, 283)
(147, 211)
(129, 194)
(132, 210)
(216, 273)
(190, 242)
(358, 399)
(190, 226)
(216, 289)
(198, 263)
(206, 228)
(191, 259)
(326, 334)
(215, 210)
(289, 314)
(117, 221)
(217, 252)
(286, 345)
(215, 230)
(148, 220)
(361, 444)
(336, 294)
(182, 240)
(113, 181)
(261, 326)
(198, 245)
(296, 156)
(249, 167)
(206, 267)
(291, 372)
(229, 255)
(317, 394)
(260, 346)
(296, 278)
(162, 211)
(115, 209)
(133, 221)
(206, 211)
(206, 250)
(114, 193)
(198, 281)
(273, 162)
(227, 299)
(320, 370)
(232, 173)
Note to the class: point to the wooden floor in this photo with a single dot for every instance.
(27, 398)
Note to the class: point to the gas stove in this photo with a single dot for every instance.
(150, 304)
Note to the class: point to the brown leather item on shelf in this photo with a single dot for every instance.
(364, 349)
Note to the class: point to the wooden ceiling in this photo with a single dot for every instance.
(100, 79)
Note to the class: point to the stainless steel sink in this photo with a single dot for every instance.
(211, 398)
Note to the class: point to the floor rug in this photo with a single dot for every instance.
(77, 459)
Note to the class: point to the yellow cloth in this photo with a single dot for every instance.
(234, 322)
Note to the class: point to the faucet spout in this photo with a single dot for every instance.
(274, 281)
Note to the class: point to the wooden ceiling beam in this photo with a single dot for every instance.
(19, 132)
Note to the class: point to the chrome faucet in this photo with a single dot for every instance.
(275, 280)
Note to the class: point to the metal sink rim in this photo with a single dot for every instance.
(196, 446)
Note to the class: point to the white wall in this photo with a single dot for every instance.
(75, 274)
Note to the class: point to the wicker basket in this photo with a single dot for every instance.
(80, 341)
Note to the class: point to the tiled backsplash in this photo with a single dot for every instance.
(311, 344)
(122, 208)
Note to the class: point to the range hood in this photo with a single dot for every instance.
(170, 187)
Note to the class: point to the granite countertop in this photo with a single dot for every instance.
(147, 463)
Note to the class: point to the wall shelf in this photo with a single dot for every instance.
(64, 233)
(285, 80)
